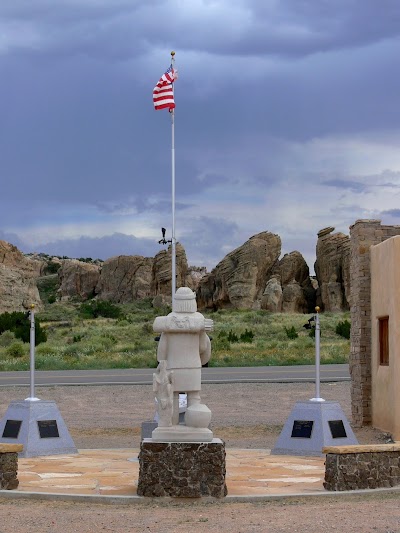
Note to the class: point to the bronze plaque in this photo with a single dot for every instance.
(302, 429)
(337, 429)
(48, 429)
(11, 429)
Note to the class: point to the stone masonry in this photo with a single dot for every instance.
(363, 235)
(9, 466)
(182, 470)
(362, 467)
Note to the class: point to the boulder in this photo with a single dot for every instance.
(18, 276)
(332, 268)
(272, 296)
(293, 267)
(125, 278)
(240, 278)
(77, 279)
(293, 298)
(162, 272)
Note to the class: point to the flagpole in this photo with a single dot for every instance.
(173, 251)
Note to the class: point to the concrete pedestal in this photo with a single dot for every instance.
(38, 426)
(311, 426)
(182, 469)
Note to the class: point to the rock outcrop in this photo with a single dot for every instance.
(240, 278)
(332, 268)
(18, 276)
(289, 290)
(77, 279)
(125, 279)
(162, 272)
(272, 296)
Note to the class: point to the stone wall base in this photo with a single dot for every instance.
(182, 469)
(366, 468)
(9, 466)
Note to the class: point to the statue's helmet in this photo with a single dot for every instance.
(185, 301)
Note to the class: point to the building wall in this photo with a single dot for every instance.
(363, 235)
(385, 301)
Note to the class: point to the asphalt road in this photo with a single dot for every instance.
(142, 376)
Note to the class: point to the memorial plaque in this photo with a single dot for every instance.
(48, 429)
(11, 429)
(337, 429)
(302, 429)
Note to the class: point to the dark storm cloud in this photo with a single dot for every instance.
(208, 239)
(97, 247)
(353, 186)
(140, 205)
(80, 138)
(392, 212)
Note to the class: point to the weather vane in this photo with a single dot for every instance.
(164, 240)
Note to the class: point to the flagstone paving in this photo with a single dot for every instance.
(115, 472)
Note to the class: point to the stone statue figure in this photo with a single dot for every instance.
(185, 346)
(163, 387)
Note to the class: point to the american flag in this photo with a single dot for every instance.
(163, 94)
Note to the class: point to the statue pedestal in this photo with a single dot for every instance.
(182, 469)
(182, 433)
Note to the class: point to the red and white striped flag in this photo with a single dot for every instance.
(163, 94)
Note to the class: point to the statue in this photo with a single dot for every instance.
(183, 348)
(163, 387)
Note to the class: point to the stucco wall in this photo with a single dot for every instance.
(385, 301)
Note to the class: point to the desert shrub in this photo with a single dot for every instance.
(19, 324)
(291, 332)
(221, 342)
(247, 336)
(6, 338)
(343, 329)
(232, 337)
(96, 308)
(16, 349)
(52, 267)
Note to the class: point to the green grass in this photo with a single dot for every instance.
(128, 342)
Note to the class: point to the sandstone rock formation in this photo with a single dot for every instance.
(240, 278)
(18, 276)
(332, 268)
(289, 290)
(293, 298)
(77, 279)
(272, 296)
(162, 272)
(125, 278)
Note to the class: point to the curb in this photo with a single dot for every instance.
(129, 500)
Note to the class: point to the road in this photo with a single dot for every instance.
(143, 376)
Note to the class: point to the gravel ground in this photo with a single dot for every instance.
(244, 415)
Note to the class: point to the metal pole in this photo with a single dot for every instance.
(317, 358)
(32, 354)
(173, 247)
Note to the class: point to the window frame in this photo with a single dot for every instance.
(383, 340)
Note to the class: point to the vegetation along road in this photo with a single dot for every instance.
(143, 376)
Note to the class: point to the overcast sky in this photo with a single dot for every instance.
(287, 120)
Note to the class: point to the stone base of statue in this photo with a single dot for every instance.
(182, 433)
(182, 469)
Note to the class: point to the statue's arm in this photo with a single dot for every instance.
(162, 348)
(205, 348)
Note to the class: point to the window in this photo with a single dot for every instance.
(384, 341)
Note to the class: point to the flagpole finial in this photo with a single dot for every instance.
(172, 53)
